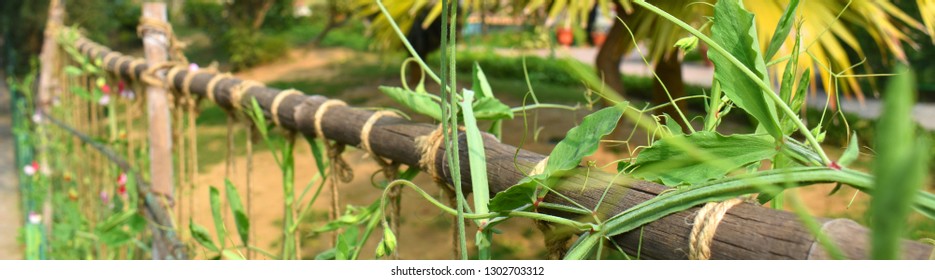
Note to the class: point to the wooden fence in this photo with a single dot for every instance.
(746, 231)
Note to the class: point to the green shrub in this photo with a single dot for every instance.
(248, 48)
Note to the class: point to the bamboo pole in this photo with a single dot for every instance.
(48, 86)
(155, 47)
(747, 231)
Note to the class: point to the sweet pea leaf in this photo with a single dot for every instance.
(672, 166)
(419, 102)
(735, 31)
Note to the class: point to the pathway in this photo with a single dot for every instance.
(700, 75)
(9, 188)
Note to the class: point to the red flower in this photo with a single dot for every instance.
(105, 89)
(122, 184)
(120, 86)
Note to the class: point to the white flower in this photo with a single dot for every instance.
(34, 218)
(29, 169)
(193, 67)
(105, 99)
(37, 118)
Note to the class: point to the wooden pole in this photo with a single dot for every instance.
(48, 87)
(155, 47)
(747, 231)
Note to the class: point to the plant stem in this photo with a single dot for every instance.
(763, 86)
(449, 82)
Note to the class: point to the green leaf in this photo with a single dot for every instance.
(489, 108)
(674, 127)
(672, 166)
(259, 120)
(514, 197)
(326, 255)
(353, 215)
(734, 29)
(200, 234)
(115, 238)
(419, 102)
(582, 248)
(621, 165)
(900, 168)
(240, 216)
(347, 241)
(73, 71)
(232, 255)
(579, 142)
(319, 155)
(782, 29)
(786, 88)
(215, 198)
(480, 85)
(851, 153)
(83, 93)
(583, 140)
(477, 159)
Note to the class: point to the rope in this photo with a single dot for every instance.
(390, 170)
(209, 90)
(365, 135)
(274, 109)
(120, 61)
(170, 76)
(135, 63)
(187, 81)
(150, 77)
(428, 146)
(705, 225)
(238, 91)
(339, 167)
(108, 57)
(157, 25)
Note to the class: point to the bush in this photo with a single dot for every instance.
(248, 48)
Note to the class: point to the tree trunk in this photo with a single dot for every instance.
(610, 55)
(669, 69)
(335, 19)
(261, 14)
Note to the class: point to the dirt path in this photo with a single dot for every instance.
(10, 218)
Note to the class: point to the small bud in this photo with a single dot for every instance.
(389, 239)
(687, 44)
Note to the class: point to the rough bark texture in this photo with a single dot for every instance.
(748, 231)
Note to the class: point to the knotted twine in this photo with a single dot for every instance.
(705, 225)
(390, 169)
(340, 170)
(428, 147)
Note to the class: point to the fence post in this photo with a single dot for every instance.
(48, 86)
(155, 47)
